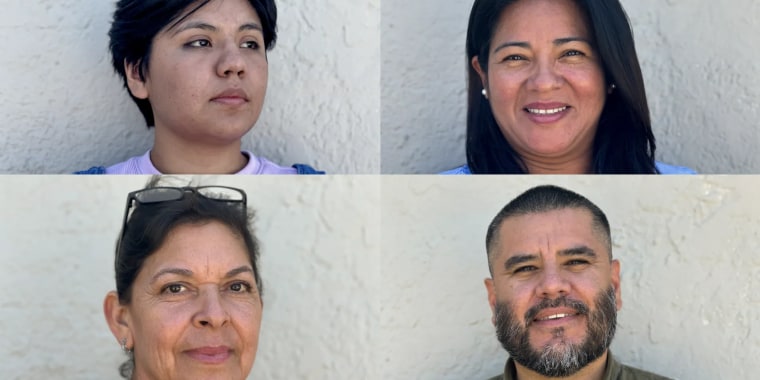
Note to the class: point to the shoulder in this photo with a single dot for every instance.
(134, 165)
(631, 373)
(619, 371)
(306, 169)
(92, 170)
(673, 169)
(464, 169)
(261, 165)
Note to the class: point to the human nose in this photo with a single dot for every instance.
(212, 311)
(544, 77)
(231, 62)
(552, 284)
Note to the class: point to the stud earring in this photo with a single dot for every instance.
(611, 88)
(485, 93)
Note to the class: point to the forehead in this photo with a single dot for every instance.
(530, 20)
(548, 232)
(231, 11)
(207, 247)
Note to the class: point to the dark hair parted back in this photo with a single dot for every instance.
(150, 224)
(137, 22)
(543, 199)
(624, 142)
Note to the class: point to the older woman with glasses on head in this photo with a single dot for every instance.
(188, 301)
(555, 87)
(197, 70)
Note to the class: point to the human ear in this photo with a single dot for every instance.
(118, 319)
(483, 77)
(137, 86)
(491, 298)
(615, 269)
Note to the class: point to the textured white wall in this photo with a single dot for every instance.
(688, 252)
(63, 109)
(319, 249)
(699, 65)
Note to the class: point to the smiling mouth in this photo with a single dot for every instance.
(551, 111)
(555, 316)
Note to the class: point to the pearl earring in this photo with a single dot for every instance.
(485, 93)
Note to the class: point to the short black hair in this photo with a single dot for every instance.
(624, 141)
(137, 22)
(545, 198)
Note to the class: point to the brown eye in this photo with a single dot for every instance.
(250, 45)
(199, 43)
(526, 269)
(174, 288)
(240, 287)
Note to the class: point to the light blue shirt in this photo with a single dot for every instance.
(662, 168)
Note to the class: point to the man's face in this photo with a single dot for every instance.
(554, 292)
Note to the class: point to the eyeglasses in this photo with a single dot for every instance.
(156, 195)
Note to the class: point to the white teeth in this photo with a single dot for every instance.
(546, 112)
(555, 316)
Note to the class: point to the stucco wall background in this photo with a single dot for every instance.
(319, 241)
(700, 72)
(63, 109)
(689, 263)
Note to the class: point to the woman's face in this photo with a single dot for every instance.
(195, 311)
(207, 75)
(545, 82)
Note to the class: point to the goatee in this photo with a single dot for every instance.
(559, 358)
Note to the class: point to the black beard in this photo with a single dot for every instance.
(559, 359)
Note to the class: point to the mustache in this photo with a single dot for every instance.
(579, 307)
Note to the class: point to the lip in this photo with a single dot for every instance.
(554, 111)
(232, 96)
(210, 355)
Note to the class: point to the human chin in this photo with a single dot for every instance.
(560, 356)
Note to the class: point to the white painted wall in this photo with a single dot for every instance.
(699, 65)
(688, 252)
(63, 109)
(370, 277)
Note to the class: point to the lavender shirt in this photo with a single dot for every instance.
(143, 165)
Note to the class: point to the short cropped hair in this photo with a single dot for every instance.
(137, 22)
(546, 198)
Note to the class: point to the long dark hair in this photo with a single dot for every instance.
(624, 142)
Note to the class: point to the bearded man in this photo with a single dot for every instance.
(554, 288)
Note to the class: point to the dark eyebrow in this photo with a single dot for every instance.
(505, 45)
(517, 260)
(562, 41)
(578, 251)
(206, 26)
(557, 42)
(239, 270)
(178, 271)
(188, 273)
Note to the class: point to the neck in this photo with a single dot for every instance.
(568, 164)
(592, 371)
(171, 155)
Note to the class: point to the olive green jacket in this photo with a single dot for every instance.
(613, 371)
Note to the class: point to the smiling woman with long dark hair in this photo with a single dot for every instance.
(555, 87)
(197, 70)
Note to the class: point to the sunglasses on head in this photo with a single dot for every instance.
(156, 195)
